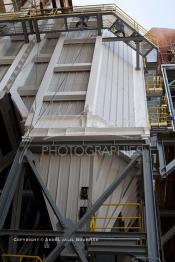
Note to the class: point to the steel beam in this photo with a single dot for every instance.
(162, 161)
(168, 92)
(167, 213)
(99, 23)
(37, 32)
(9, 188)
(151, 223)
(107, 193)
(170, 167)
(16, 213)
(51, 233)
(66, 24)
(31, 27)
(26, 38)
(63, 222)
(57, 212)
(168, 235)
(137, 55)
(124, 39)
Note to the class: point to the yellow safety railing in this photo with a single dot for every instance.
(135, 220)
(35, 12)
(121, 14)
(154, 85)
(158, 116)
(21, 257)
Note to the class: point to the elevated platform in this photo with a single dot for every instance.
(36, 21)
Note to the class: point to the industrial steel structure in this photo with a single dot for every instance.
(86, 137)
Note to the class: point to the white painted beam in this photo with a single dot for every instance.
(79, 41)
(27, 91)
(42, 58)
(47, 79)
(77, 67)
(65, 96)
(22, 76)
(93, 85)
(6, 60)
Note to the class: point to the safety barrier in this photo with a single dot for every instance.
(21, 257)
(154, 86)
(36, 13)
(158, 116)
(135, 220)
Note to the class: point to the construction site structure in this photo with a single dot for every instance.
(87, 142)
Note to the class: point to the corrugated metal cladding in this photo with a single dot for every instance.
(3, 70)
(8, 48)
(76, 53)
(11, 48)
(49, 46)
(28, 101)
(117, 86)
(62, 108)
(65, 175)
(33, 82)
(36, 75)
(74, 81)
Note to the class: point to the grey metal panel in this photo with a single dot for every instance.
(28, 101)
(3, 70)
(76, 53)
(62, 108)
(115, 102)
(65, 175)
(48, 46)
(74, 81)
(36, 74)
(13, 48)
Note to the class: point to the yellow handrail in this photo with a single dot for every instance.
(154, 84)
(20, 256)
(138, 218)
(34, 12)
(158, 115)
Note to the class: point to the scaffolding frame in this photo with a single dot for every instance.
(69, 228)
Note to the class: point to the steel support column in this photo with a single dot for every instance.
(35, 24)
(31, 27)
(162, 161)
(151, 223)
(99, 23)
(26, 37)
(137, 56)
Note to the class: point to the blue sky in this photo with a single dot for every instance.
(149, 13)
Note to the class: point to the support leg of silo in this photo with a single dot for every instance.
(151, 221)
